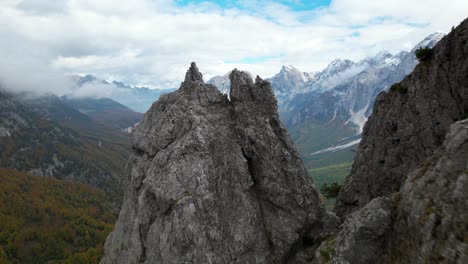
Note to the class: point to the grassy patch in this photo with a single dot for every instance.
(327, 250)
(329, 174)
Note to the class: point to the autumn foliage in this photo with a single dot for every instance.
(44, 220)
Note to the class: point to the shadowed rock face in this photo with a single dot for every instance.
(431, 219)
(214, 180)
(425, 222)
(362, 237)
(409, 123)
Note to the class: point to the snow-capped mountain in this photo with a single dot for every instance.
(348, 89)
(287, 83)
(429, 41)
(325, 111)
(221, 82)
(340, 99)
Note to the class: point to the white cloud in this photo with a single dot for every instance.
(152, 42)
(93, 89)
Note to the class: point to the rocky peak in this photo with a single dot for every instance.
(429, 41)
(339, 64)
(244, 89)
(336, 67)
(382, 55)
(193, 74)
(289, 70)
(214, 181)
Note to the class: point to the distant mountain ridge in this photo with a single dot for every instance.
(106, 111)
(346, 81)
(291, 85)
(138, 99)
(47, 136)
(339, 101)
(325, 111)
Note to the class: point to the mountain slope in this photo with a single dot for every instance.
(105, 111)
(46, 137)
(409, 122)
(46, 220)
(325, 111)
(326, 121)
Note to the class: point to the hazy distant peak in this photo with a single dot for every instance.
(289, 68)
(383, 54)
(429, 41)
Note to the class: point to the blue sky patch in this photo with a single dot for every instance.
(295, 5)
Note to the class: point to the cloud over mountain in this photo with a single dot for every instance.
(149, 43)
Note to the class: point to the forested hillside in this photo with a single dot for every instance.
(45, 220)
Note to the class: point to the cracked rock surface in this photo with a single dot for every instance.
(362, 238)
(431, 223)
(214, 180)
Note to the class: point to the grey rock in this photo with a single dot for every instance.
(286, 84)
(312, 240)
(362, 237)
(409, 123)
(426, 222)
(431, 223)
(214, 180)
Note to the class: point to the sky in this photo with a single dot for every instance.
(152, 42)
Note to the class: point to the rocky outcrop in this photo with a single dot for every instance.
(409, 123)
(431, 220)
(362, 238)
(426, 222)
(214, 180)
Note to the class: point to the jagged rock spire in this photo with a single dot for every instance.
(241, 85)
(193, 74)
(260, 93)
(214, 181)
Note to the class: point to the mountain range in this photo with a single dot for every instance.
(217, 179)
(325, 111)
(74, 139)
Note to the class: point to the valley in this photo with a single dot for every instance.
(233, 132)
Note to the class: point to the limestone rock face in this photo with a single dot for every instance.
(214, 180)
(431, 222)
(409, 123)
(362, 238)
(426, 222)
